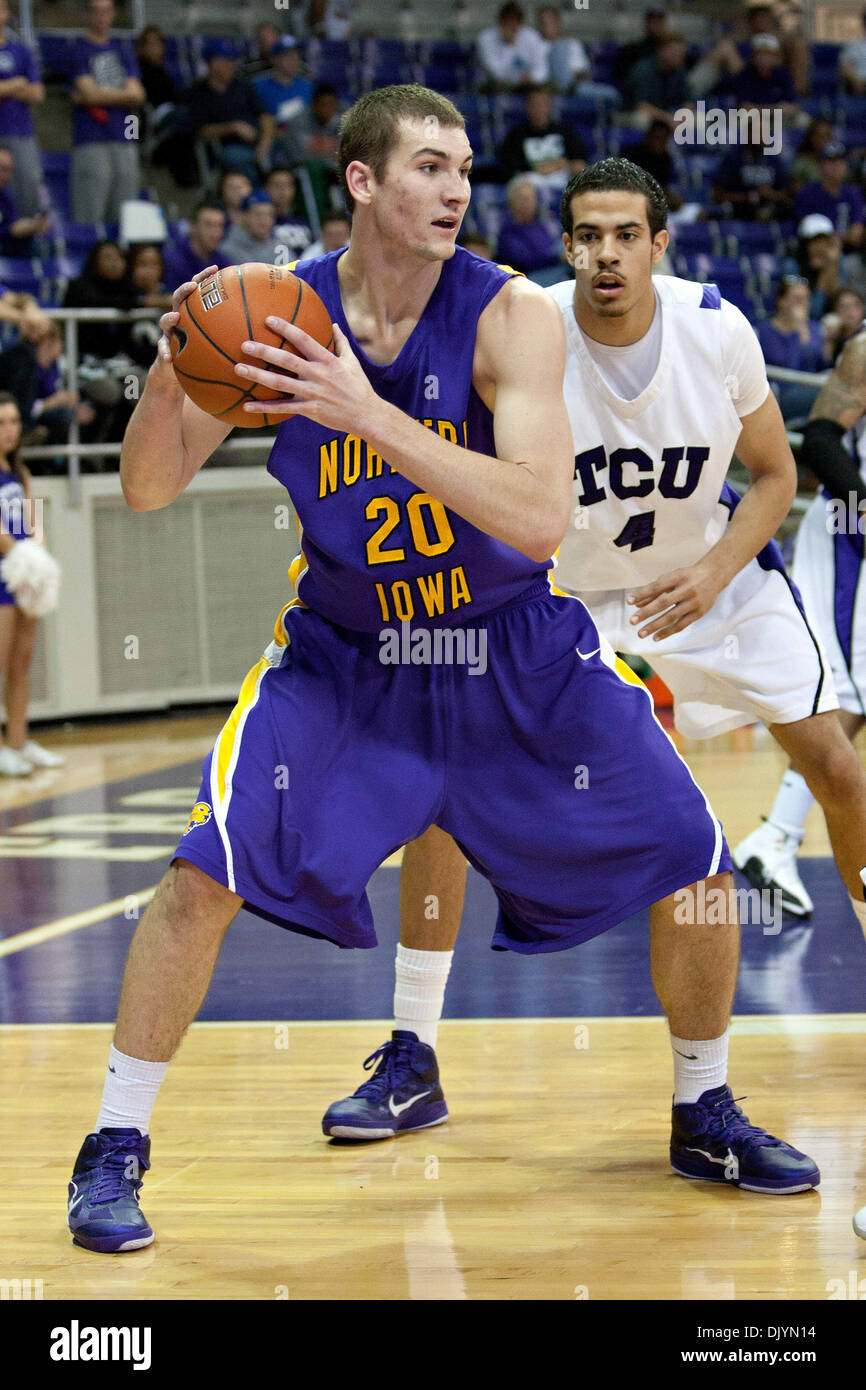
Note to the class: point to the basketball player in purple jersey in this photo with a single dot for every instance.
(430, 461)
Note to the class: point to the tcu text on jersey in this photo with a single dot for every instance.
(629, 473)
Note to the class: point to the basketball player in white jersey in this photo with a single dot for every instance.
(663, 379)
(828, 562)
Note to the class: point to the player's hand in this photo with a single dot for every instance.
(171, 316)
(328, 387)
(680, 598)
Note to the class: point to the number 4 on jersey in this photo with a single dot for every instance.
(639, 531)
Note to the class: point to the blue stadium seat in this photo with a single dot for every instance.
(749, 237)
(697, 237)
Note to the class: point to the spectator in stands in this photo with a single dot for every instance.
(550, 150)
(321, 129)
(266, 35)
(233, 188)
(568, 65)
(775, 18)
(528, 240)
(752, 182)
(630, 54)
(336, 229)
(105, 367)
(319, 133)
(30, 371)
(478, 244)
(659, 86)
(286, 97)
(16, 232)
(653, 154)
(160, 87)
(146, 272)
(165, 113)
(22, 310)
(329, 19)
(102, 284)
(291, 230)
(806, 167)
(225, 111)
(844, 318)
(20, 89)
(106, 94)
(852, 64)
(765, 81)
(510, 53)
(791, 339)
(254, 240)
(185, 256)
(818, 261)
(840, 201)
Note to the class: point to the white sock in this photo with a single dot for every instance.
(131, 1087)
(698, 1066)
(420, 978)
(792, 805)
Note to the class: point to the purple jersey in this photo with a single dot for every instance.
(377, 549)
(109, 66)
(16, 60)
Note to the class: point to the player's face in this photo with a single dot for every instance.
(612, 251)
(10, 429)
(423, 195)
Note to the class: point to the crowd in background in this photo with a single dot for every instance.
(255, 138)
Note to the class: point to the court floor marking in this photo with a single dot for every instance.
(34, 936)
(740, 1023)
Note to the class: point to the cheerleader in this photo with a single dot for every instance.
(28, 589)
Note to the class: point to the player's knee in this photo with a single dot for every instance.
(195, 896)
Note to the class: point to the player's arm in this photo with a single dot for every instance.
(523, 495)
(838, 407)
(168, 438)
(683, 596)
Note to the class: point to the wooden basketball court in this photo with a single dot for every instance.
(551, 1179)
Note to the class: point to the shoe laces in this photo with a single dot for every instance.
(727, 1122)
(392, 1057)
(112, 1177)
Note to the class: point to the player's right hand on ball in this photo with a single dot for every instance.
(170, 318)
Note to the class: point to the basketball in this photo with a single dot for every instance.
(230, 308)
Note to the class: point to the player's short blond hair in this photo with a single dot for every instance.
(370, 129)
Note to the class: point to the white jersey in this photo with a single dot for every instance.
(649, 471)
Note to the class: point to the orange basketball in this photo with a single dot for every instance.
(230, 308)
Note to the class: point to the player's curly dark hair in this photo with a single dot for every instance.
(613, 175)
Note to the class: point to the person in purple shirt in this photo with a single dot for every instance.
(765, 81)
(840, 201)
(106, 92)
(185, 256)
(791, 339)
(527, 241)
(20, 88)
